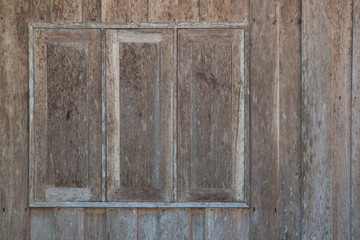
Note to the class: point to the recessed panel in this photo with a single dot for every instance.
(211, 115)
(67, 115)
(139, 115)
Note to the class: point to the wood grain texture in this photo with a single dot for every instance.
(289, 95)
(75, 10)
(224, 10)
(355, 128)
(148, 224)
(121, 224)
(211, 142)
(317, 119)
(139, 122)
(177, 11)
(39, 10)
(341, 118)
(95, 223)
(42, 224)
(67, 111)
(14, 105)
(198, 224)
(124, 10)
(174, 224)
(264, 215)
(69, 223)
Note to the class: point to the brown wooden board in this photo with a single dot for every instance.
(211, 115)
(264, 214)
(224, 10)
(14, 118)
(124, 10)
(174, 11)
(75, 10)
(66, 127)
(139, 107)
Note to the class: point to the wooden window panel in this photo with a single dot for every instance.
(139, 132)
(211, 115)
(66, 139)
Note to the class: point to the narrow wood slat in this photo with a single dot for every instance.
(355, 140)
(290, 118)
(39, 10)
(148, 224)
(14, 118)
(42, 224)
(341, 118)
(95, 224)
(174, 224)
(221, 224)
(264, 220)
(69, 223)
(316, 117)
(121, 224)
(198, 224)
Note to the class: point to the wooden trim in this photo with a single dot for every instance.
(142, 204)
(137, 25)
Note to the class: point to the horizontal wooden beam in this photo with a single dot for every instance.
(142, 204)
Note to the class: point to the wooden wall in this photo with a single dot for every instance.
(305, 123)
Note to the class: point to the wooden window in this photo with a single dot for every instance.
(139, 79)
(138, 115)
(66, 137)
(211, 115)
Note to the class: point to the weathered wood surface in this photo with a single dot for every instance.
(75, 10)
(139, 115)
(224, 10)
(211, 154)
(124, 10)
(289, 105)
(176, 11)
(66, 133)
(355, 130)
(317, 119)
(264, 214)
(14, 135)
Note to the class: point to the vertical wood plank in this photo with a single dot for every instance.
(124, 10)
(198, 224)
(121, 224)
(42, 224)
(290, 118)
(316, 116)
(14, 105)
(174, 10)
(243, 221)
(341, 117)
(75, 10)
(222, 224)
(264, 219)
(174, 224)
(224, 10)
(356, 122)
(148, 224)
(69, 223)
(95, 224)
(39, 10)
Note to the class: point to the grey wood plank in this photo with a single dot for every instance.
(355, 128)
(341, 118)
(124, 11)
(222, 224)
(243, 221)
(14, 134)
(198, 223)
(148, 224)
(121, 224)
(176, 11)
(264, 221)
(317, 121)
(69, 223)
(174, 224)
(95, 224)
(42, 224)
(224, 10)
(290, 119)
